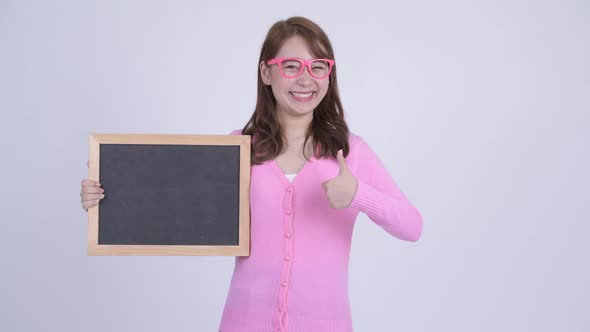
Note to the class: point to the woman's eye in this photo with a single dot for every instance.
(319, 65)
(291, 65)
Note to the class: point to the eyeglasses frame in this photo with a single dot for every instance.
(305, 64)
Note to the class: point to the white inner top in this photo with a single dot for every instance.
(290, 177)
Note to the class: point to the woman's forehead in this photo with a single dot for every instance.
(296, 47)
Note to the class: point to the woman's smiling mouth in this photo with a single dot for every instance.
(302, 96)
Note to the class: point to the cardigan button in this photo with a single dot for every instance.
(289, 189)
(288, 211)
(288, 235)
(282, 309)
(287, 258)
(284, 284)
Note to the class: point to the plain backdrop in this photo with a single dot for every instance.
(479, 110)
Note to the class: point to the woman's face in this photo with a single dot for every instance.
(295, 96)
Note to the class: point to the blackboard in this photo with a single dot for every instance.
(170, 194)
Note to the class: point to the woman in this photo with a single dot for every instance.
(309, 180)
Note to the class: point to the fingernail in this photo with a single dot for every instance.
(101, 196)
(98, 184)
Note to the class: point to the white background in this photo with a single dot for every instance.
(479, 109)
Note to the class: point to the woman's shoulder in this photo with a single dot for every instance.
(359, 147)
(355, 140)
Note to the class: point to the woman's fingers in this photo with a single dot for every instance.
(92, 197)
(90, 193)
(91, 190)
(90, 187)
(91, 183)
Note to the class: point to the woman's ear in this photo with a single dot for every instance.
(265, 73)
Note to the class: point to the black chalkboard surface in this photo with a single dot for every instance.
(170, 194)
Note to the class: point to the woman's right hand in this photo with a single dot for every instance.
(90, 193)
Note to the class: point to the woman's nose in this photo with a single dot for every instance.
(305, 78)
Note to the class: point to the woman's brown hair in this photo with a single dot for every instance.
(328, 128)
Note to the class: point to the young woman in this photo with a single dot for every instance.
(310, 178)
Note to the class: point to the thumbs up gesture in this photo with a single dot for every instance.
(341, 189)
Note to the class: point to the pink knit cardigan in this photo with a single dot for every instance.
(296, 277)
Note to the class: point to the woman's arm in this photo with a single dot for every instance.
(380, 198)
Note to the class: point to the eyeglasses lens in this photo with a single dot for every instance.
(319, 68)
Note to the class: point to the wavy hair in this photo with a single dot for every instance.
(328, 128)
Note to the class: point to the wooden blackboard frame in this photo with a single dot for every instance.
(243, 247)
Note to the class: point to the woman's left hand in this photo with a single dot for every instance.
(341, 189)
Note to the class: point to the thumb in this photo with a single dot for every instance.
(342, 162)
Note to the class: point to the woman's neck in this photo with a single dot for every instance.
(294, 129)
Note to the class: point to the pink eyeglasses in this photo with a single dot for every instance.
(293, 67)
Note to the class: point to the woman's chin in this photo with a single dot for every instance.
(302, 112)
(298, 110)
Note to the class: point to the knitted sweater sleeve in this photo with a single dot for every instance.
(379, 197)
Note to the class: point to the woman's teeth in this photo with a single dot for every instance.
(302, 95)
